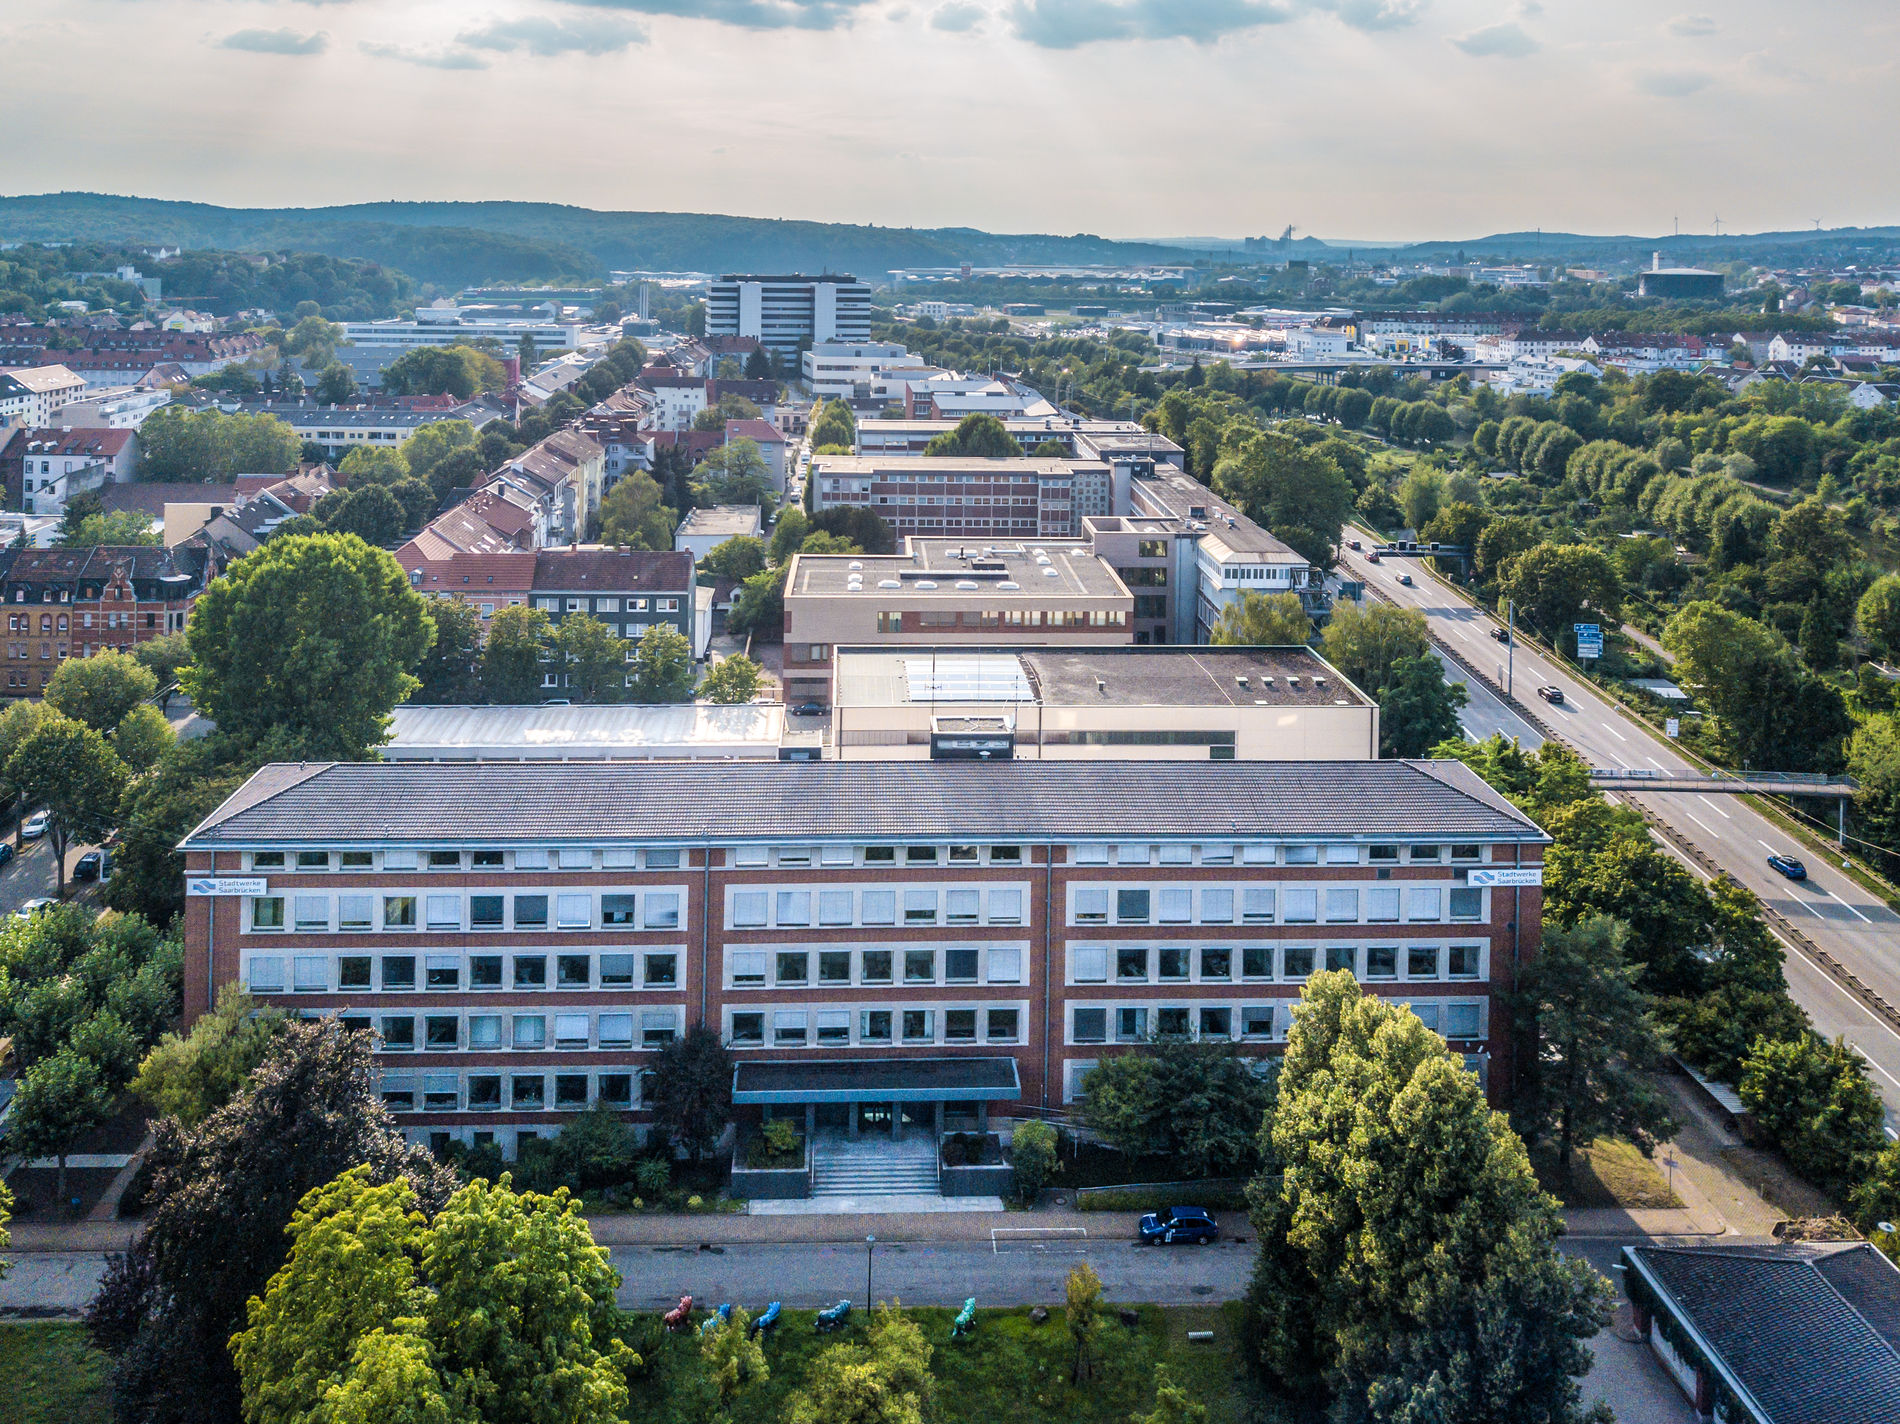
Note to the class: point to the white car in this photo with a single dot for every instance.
(32, 907)
(34, 826)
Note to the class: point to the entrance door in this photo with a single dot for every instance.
(834, 1116)
(874, 1117)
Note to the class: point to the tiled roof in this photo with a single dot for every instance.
(604, 569)
(761, 432)
(56, 440)
(152, 498)
(674, 801)
(1810, 1332)
(475, 573)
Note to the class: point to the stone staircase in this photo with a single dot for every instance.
(874, 1166)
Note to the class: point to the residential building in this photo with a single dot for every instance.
(29, 395)
(1782, 1333)
(44, 467)
(615, 732)
(630, 590)
(703, 530)
(765, 435)
(73, 602)
(493, 520)
(840, 370)
(881, 944)
(789, 312)
(946, 593)
(1530, 343)
(967, 495)
(561, 478)
(677, 397)
(338, 429)
(486, 582)
(119, 408)
(624, 444)
(1110, 702)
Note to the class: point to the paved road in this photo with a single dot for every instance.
(30, 873)
(1830, 908)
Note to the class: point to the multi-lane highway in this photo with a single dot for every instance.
(1829, 908)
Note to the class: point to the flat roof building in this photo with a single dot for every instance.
(967, 495)
(788, 312)
(1095, 702)
(613, 731)
(703, 530)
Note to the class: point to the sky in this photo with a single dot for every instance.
(1350, 119)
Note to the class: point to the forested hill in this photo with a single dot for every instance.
(447, 243)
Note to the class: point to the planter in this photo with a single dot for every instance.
(769, 1183)
(992, 1181)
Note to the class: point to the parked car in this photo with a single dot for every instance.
(34, 826)
(32, 907)
(1503, 635)
(1787, 865)
(6, 851)
(808, 709)
(1405, 580)
(1178, 1224)
(1553, 695)
(90, 866)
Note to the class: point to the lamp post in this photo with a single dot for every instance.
(870, 1245)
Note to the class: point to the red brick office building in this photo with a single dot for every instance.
(879, 942)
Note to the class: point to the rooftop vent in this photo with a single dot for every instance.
(1101, 687)
(926, 583)
(889, 583)
(967, 583)
(1051, 573)
(1009, 584)
(1292, 679)
(1241, 681)
(855, 564)
(1319, 682)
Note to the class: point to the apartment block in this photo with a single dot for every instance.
(966, 495)
(880, 943)
(788, 312)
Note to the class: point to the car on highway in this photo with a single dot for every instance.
(32, 907)
(1553, 695)
(90, 866)
(1787, 865)
(808, 709)
(34, 826)
(1503, 635)
(1373, 557)
(1405, 580)
(1352, 544)
(1179, 1225)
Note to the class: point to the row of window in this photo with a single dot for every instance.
(1220, 964)
(1272, 904)
(834, 1026)
(526, 858)
(1138, 1023)
(841, 968)
(796, 908)
(366, 912)
(519, 1092)
(1258, 853)
(605, 605)
(532, 1033)
(448, 973)
(874, 856)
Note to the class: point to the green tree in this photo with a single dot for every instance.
(690, 1090)
(451, 671)
(119, 527)
(1408, 1264)
(101, 689)
(59, 1098)
(981, 437)
(759, 606)
(176, 444)
(862, 527)
(1776, 716)
(69, 769)
(594, 658)
(735, 473)
(432, 446)
(336, 384)
(662, 666)
(632, 514)
(788, 535)
(307, 643)
(1418, 708)
(1033, 1158)
(886, 1380)
(1816, 1101)
(190, 1077)
(834, 425)
(1503, 539)
(729, 407)
(368, 465)
(1878, 614)
(371, 513)
(315, 340)
(1172, 1404)
(1082, 1313)
(163, 655)
(732, 680)
(734, 1357)
(156, 813)
(459, 371)
(1299, 494)
(515, 654)
(142, 738)
(1271, 620)
(1555, 585)
(1366, 640)
(1740, 995)
(1201, 1104)
(738, 558)
(1595, 1043)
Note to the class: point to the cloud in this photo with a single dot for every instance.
(958, 17)
(592, 34)
(1506, 41)
(276, 42)
(1065, 24)
(746, 14)
(428, 59)
(1691, 26)
(1671, 83)
(1377, 14)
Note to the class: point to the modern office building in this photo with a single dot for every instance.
(840, 370)
(1233, 555)
(787, 313)
(1095, 703)
(880, 943)
(967, 495)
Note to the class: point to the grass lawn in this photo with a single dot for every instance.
(1608, 1173)
(1010, 1368)
(50, 1374)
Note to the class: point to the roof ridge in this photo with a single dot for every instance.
(315, 769)
(1813, 1263)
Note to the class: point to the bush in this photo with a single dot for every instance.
(780, 1135)
(1215, 1196)
(1032, 1155)
(653, 1175)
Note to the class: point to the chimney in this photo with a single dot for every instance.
(1655, 261)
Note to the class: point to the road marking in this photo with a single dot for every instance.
(1764, 845)
(1700, 822)
(1653, 762)
(1063, 1238)
(1715, 808)
(1614, 733)
(1810, 909)
(1844, 905)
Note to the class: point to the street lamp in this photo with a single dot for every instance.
(870, 1244)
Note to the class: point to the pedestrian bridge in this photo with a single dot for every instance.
(1734, 783)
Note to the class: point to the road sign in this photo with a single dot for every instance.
(1526, 875)
(1672, 727)
(1589, 640)
(224, 885)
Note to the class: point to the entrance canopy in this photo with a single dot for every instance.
(883, 1080)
